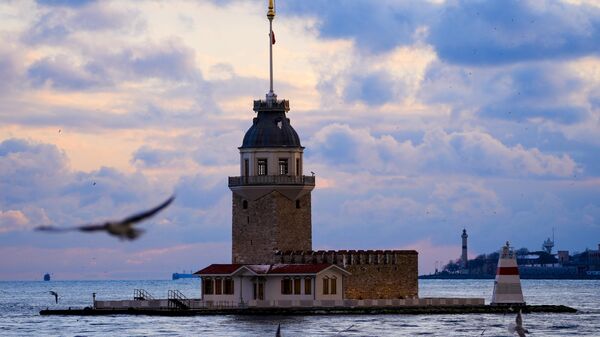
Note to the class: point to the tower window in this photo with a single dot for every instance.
(245, 204)
(297, 166)
(246, 167)
(262, 167)
(297, 203)
(283, 166)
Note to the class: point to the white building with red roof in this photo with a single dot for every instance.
(235, 285)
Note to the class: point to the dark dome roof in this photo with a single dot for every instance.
(271, 129)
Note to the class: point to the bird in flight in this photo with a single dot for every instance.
(55, 294)
(123, 229)
(518, 327)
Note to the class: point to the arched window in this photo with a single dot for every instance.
(286, 286)
(325, 286)
(297, 285)
(245, 204)
(307, 286)
(297, 203)
(228, 286)
(333, 286)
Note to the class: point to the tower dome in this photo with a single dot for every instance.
(271, 127)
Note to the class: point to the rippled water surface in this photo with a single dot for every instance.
(20, 303)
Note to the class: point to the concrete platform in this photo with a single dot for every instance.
(404, 310)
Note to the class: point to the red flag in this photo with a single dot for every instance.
(272, 37)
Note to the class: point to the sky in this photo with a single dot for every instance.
(419, 118)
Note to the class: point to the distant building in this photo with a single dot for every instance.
(563, 257)
(548, 245)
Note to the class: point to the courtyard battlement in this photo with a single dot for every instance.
(344, 257)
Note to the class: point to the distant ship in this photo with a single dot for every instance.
(46, 277)
(177, 276)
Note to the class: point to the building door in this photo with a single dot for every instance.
(259, 290)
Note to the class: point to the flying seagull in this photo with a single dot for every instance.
(518, 327)
(123, 229)
(55, 294)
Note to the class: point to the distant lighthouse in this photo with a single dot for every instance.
(463, 257)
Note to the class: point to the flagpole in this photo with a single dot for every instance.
(271, 54)
(271, 15)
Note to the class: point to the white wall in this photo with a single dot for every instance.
(273, 290)
(339, 279)
(272, 155)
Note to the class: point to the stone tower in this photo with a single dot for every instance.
(271, 198)
(464, 259)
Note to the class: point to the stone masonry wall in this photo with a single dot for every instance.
(376, 274)
(269, 224)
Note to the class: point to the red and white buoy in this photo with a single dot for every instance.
(507, 287)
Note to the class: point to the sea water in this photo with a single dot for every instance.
(20, 303)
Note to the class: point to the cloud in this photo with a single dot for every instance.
(474, 152)
(374, 27)
(12, 220)
(493, 32)
(30, 171)
(65, 19)
(168, 61)
(150, 157)
(544, 91)
(67, 3)
(374, 89)
(60, 72)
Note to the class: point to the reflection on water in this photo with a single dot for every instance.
(20, 303)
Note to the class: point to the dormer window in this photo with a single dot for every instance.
(283, 166)
(262, 167)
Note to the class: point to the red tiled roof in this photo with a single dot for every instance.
(228, 269)
(219, 269)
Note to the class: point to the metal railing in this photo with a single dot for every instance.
(271, 180)
(177, 301)
(141, 295)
